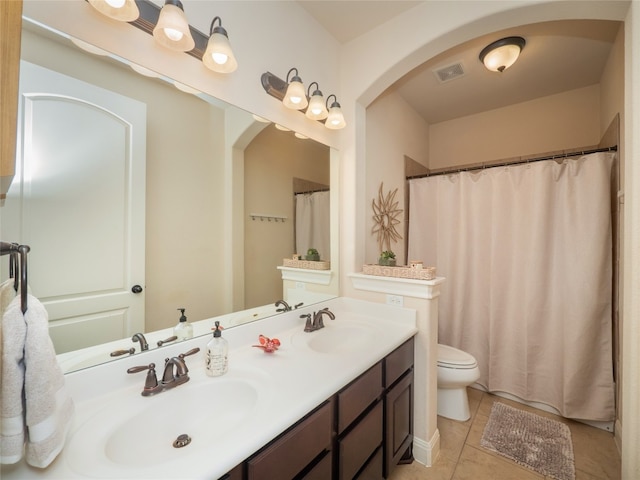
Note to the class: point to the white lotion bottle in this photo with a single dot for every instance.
(183, 330)
(216, 356)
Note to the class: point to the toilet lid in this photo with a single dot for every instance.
(454, 358)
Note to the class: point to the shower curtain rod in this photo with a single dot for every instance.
(312, 191)
(446, 171)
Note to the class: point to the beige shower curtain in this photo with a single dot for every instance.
(527, 254)
(312, 223)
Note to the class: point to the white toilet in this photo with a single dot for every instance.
(456, 371)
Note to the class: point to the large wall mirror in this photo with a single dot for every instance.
(176, 159)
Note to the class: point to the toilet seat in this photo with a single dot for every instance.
(450, 357)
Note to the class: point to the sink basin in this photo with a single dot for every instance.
(337, 338)
(136, 432)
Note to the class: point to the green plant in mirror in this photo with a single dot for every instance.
(313, 255)
(387, 258)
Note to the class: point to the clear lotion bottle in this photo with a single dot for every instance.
(216, 355)
(183, 330)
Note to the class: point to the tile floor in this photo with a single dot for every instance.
(462, 458)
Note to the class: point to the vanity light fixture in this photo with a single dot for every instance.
(121, 10)
(335, 120)
(501, 54)
(295, 98)
(172, 30)
(276, 87)
(317, 110)
(219, 57)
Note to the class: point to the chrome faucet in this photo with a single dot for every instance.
(175, 373)
(139, 337)
(311, 325)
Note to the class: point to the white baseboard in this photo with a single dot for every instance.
(426, 452)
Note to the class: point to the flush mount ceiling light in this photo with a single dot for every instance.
(295, 98)
(219, 57)
(317, 109)
(172, 29)
(335, 120)
(501, 54)
(121, 10)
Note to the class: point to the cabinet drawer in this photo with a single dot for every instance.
(322, 471)
(373, 470)
(358, 445)
(358, 395)
(288, 455)
(398, 362)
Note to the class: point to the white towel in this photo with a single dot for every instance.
(48, 408)
(7, 293)
(14, 333)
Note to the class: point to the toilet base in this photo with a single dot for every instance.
(453, 403)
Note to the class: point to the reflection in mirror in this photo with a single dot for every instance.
(167, 154)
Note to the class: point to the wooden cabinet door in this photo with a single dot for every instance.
(399, 422)
(10, 34)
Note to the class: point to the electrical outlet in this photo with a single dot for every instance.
(301, 285)
(395, 300)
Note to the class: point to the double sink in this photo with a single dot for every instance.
(208, 425)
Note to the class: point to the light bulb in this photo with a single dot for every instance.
(173, 34)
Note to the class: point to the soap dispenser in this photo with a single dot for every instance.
(183, 330)
(216, 355)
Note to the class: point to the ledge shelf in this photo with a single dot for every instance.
(320, 277)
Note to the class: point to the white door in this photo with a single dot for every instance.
(79, 201)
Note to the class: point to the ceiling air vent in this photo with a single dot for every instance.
(450, 72)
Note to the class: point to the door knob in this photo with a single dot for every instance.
(136, 289)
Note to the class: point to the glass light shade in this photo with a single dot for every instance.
(317, 109)
(143, 70)
(186, 88)
(501, 58)
(87, 47)
(295, 98)
(335, 120)
(219, 57)
(172, 29)
(121, 10)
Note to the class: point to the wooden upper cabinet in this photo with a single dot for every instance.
(10, 35)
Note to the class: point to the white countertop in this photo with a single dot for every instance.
(289, 383)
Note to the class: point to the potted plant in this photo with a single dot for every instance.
(313, 255)
(387, 259)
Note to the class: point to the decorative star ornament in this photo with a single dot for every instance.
(385, 218)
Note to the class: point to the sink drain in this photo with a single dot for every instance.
(182, 441)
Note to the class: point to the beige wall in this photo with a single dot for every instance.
(556, 122)
(271, 161)
(612, 103)
(394, 130)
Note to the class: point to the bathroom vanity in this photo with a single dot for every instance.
(336, 403)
